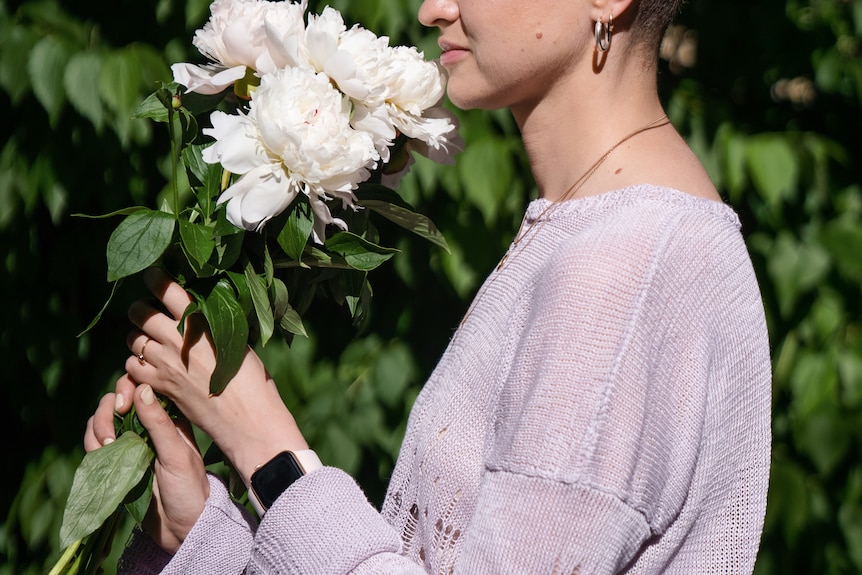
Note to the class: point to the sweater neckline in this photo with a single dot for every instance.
(627, 196)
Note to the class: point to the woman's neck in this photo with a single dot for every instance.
(582, 117)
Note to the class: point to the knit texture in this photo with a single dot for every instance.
(603, 408)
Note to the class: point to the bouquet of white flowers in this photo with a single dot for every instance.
(295, 131)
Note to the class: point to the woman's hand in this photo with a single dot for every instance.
(180, 486)
(248, 420)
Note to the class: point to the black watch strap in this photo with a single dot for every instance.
(272, 478)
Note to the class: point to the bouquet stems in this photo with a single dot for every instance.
(85, 556)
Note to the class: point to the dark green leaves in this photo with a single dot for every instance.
(260, 300)
(101, 482)
(229, 329)
(358, 252)
(46, 66)
(391, 206)
(409, 220)
(138, 242)
(296, 231)
(198, 241)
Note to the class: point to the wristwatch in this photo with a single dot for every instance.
(271, 479)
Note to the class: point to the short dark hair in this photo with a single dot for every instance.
(652, 20)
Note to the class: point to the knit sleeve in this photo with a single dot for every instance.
(219, 542)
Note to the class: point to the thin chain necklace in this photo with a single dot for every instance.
(526, 234)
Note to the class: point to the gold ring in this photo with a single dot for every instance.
(141, 359)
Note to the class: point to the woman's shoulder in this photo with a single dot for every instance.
(636, 220)
(648, 203)
(645, 235)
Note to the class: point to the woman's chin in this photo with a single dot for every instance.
(468, 98)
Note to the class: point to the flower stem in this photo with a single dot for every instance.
(65, 559)
(174, 160)
(104, 539)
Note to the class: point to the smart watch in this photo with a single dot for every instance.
(271, 479)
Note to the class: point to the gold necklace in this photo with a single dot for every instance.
(528, 233)
(573, 189)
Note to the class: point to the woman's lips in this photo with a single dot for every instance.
(452, 53)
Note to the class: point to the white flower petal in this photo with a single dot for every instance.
(322, 35)
(206, 79)
(377, 123)
(243, 41)
(258, 196)
(322, 218)
(236, 147)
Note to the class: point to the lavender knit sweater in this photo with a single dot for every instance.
(604, 408)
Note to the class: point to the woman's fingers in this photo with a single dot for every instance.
(171, 294)
(100, 426)
(168, 442)
(124, 392)
(153, 323)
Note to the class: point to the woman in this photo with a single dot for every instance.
(604, 406)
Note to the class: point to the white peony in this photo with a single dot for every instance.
(236, 39)
(295, 138)
(413, 90)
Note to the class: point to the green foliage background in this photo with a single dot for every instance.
(768, 92)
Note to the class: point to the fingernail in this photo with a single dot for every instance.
(119, 402)
(107, 441)
(147, 395)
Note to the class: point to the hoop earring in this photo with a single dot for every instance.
(603, 34)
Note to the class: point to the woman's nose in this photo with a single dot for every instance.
(438, 12)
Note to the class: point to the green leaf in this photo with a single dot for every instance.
(189, 126)
(268, 268)
(121, 212)
(392, 374)
(795, 268)
(294, 235)
(825, 437)
(119, 84)
(46, 66)
(262, 307)
(96, 319)
(191, 309)
(229, 329)
(119, 80)
(409, 220)
(16, 43)
(814, 384)
(229, 240)
(788, 500)
(485, 167)
(243, 294)
(358, 252)
(850, 516)
(101, 482)
(197, 240)
(280, 298)
(198, 104)
(153, 107)
(773, 166)
(81, 81)
(843, 240)
(138, 500)
(194, 162)
(138, 242)
(360, 305)
(291, 322)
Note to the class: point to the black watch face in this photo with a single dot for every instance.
(272, 479)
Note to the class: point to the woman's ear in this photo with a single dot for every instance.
(620, 10)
